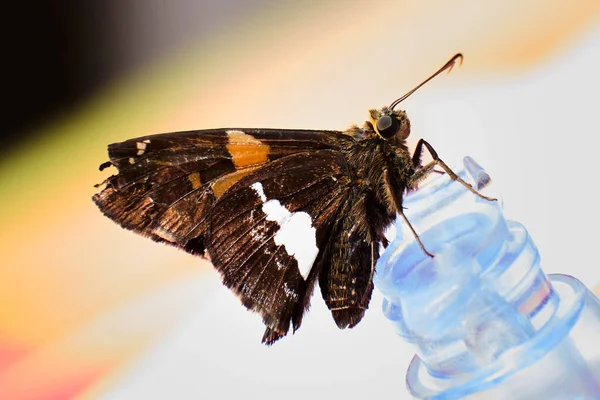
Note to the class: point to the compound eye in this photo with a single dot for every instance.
(388, 126)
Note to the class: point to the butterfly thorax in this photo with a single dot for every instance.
(369, 158)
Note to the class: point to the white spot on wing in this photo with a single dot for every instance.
(295, 233)
(141, 146)
(259, 189)
(276, 212)
(289, 292)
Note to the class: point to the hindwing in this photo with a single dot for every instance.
(268, 229)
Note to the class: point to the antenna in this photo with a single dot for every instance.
(448, 66)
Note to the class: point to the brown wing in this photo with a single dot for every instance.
(166, 184)
(267, 230)
(346, 280)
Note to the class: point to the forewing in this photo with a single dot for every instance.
(267, 230)
(166, 184)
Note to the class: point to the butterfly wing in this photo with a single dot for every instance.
(346, 280)
(267, 230)
(166, 184)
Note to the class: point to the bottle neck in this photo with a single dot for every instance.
(483, 292)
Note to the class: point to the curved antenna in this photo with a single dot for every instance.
(448, 66)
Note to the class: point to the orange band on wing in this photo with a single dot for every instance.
(220, 185)
(195, 180)
(246, 150)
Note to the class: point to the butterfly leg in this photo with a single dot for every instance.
(428, 168)
(398, 204)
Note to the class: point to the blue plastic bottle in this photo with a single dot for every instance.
(485, 320)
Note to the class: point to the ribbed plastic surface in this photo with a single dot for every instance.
(484, 318)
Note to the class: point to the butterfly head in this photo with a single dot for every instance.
(389, 123)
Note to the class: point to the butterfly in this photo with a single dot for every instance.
(275, 210)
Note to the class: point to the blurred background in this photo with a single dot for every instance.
(90, 311)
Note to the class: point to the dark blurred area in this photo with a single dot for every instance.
(58, 53)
